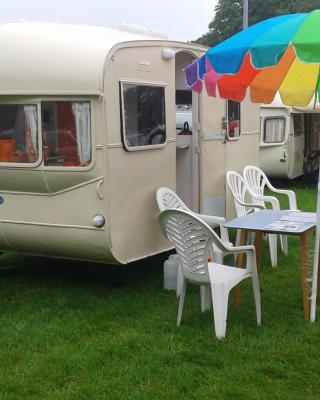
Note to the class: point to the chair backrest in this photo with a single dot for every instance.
(256, 179)
(239, 189)
(166, 198)
(192, 239)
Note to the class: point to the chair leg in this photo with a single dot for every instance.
(181, 301)
(179, 280)
(257, 299)
(273, 249)
(284, 244)
(205, 296)
(220, 309)
(251, 238)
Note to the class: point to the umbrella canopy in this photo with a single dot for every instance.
(279, 54)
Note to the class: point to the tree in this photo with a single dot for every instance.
(228, 16)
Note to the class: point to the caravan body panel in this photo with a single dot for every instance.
(48, 206)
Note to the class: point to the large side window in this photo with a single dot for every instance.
(274, 130)
(233, 119)
(143, 115)
(66, 133)
(19, 133)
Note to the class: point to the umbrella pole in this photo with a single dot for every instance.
(245, 14)
(315, 261)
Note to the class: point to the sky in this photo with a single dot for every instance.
(182, 20)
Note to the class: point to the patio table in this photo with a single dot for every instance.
(279, 222)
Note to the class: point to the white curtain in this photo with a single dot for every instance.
(274, 130)
(81, 112)
(31, 116)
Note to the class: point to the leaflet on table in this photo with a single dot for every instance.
(299, 216)
(280, 225)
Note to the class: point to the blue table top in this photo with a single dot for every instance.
(260, 221)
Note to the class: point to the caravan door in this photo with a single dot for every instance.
(296, 145)
(212, 145)
(242, 140)
(229, 139)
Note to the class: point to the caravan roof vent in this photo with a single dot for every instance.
(143, 30)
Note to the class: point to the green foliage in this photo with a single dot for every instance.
(228, 16)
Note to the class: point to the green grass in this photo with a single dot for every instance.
(74, 331)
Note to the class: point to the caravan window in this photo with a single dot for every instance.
(19, 133)
(298, 127)
(233, 112)
(66, 133)
(143, 115)
(274, 130)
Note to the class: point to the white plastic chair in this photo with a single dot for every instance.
(193, 240)
(241, 191)
(166, 198)
(257, 180)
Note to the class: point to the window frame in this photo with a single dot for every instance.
(122, 122)
(37, 163)
(233, 138)
(264, 129)
(92, 136)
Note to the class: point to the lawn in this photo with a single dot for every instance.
(71, 330)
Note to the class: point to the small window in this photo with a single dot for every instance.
(233, 119)
(143, 115)
(66, 131)
(184, 97)
(274, 130)
(19, 133)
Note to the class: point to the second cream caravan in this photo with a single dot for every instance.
(290, 139)
(88, 134)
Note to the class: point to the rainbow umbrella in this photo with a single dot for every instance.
(281, 54)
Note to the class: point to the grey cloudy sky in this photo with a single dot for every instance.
(180, 20)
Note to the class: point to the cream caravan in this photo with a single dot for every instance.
(290, 139)
(88, 134)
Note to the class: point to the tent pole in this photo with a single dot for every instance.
(315, 260)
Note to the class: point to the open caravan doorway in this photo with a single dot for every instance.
(187, 158)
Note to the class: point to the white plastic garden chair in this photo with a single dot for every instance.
(166, 198)
(241, 191)
(193, 240)
(257, 180)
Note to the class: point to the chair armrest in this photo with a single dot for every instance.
(240, 249)
(259, 206)
(250, 251)
(213, 221)
(269, 199)
(291, 195)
